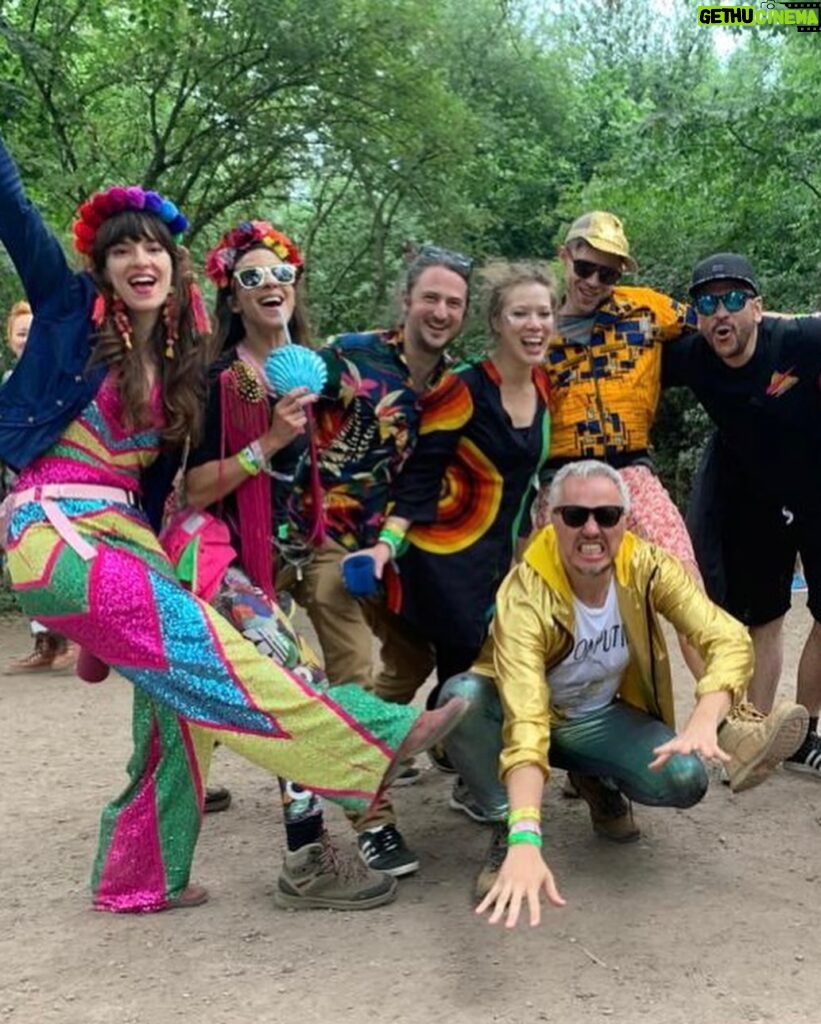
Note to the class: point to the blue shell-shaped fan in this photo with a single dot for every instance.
(294, 366)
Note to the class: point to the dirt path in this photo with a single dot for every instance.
(711, 918)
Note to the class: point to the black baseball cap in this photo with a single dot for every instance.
(724, 266)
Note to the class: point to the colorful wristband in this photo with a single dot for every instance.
(392, 538)
(524, 813)
(524, 838)
(248, 460)
(526, 826)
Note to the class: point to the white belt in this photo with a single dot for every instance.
(47, 496)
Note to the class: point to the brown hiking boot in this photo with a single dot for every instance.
(611, 815)
(317, 877)
(40, 659)
(758, 743)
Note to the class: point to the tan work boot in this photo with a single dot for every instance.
(758, 743)
(611, 815)
(316, 877)
(494, 858)
(40, 659)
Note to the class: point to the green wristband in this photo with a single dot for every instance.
(247, 459)
(529, 838)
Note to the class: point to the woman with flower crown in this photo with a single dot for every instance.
(254, 446)
(110, 385)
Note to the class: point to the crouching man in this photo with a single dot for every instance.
(576, 674)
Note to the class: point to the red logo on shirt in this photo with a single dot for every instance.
(780, 382)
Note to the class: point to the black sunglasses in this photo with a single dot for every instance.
(733, 301)
(586, 268)
(575, 516)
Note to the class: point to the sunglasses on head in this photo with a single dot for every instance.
(733, 301)
(434, 254)
(586, 269)
(254, 277)
(575, 516)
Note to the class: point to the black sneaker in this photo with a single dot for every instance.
(216, 800)
(807, 758)
(384, 849)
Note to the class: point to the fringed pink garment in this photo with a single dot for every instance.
(245, 417)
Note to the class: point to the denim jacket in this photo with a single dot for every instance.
(50, 385)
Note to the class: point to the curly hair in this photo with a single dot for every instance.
(182, 378)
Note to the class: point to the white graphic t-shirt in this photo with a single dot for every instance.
(588, 678)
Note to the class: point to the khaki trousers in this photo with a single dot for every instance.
(345, 627)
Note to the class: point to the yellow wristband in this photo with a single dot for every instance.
(247, 460)
(534, 813)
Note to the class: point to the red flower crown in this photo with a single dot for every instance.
(221, 260)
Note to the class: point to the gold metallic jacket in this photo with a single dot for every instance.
(533, 630)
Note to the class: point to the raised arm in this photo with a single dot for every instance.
(35, 252)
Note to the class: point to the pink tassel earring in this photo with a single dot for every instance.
(122, 324)
(202, 324)
(98, 310)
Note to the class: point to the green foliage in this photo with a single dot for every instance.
(365, 127)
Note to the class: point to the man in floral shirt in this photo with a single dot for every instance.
(366, 426)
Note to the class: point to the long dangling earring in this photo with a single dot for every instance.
(121, 322)
(171, 320)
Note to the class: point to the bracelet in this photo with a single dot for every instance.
(392, 538)
(534, 813)
(524, 838)
(247, 458)
(526, 826)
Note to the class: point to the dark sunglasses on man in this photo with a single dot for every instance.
(733, 301)
(585, 269)
(576, 516)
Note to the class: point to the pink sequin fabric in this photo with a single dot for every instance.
(197, 678)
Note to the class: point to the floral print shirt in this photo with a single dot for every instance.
(366, 425)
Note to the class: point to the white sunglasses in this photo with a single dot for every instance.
(254, 277)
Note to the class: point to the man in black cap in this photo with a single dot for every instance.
(759, 379)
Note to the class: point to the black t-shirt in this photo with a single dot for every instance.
(768, 412)
(285, 465)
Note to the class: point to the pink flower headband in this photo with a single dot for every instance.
(221, 260)
(103, 205)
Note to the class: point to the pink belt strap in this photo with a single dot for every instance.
(47, 495)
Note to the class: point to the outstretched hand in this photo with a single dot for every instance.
(523, 876)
